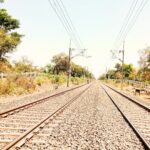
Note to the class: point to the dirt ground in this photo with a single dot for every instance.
(142, 97)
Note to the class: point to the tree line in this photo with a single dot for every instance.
(10, 39)
(59, 65)
(129, 71)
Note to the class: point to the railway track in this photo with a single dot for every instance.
(20, 124)
(135, 114)
(30, 104)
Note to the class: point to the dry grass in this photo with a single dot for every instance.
(16, 85)
(116, 83)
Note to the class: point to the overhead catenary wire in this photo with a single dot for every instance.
(62, 22)
(57, 11)
(135, 17)
(133, 21)
(133, 14)
(71, 23)
(62, 12)
(63, 16)
(126, 20)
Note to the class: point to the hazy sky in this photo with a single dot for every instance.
(97, 21)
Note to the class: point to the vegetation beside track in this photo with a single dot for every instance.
(22, 84)
(129, 72)
(16, 82)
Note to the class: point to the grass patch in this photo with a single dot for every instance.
(17, 85)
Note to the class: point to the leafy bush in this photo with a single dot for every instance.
(6, 87)
(16, 85)
(21, 84)
(26, 83)
(77, 80)
(58, 79)
(41, 80)
(74, 80)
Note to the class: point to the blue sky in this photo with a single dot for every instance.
(97, 21)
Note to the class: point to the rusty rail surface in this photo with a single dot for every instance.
(129, 98)
(28, 134)
(135, 129)
(25, 106)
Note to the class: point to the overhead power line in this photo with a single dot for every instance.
(71, 23)
(127, 19)
(130, 20)
(61, 20)
(132, 23)
(62, 14)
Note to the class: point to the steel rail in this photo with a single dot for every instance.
(144, 142)
(129, 98)
(19, 108)
(17, 143)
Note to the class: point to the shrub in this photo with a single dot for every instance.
(6, 87)
(26, 83)
(41, 80)
(74, 80)
(58, 79)
(77, 80)
(16, 85)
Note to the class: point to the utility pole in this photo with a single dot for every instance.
(69, 65)
(87, 68)
(122, 61)
(122, 66)
(69, 62)
(106, 74)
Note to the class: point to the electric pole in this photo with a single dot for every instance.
(122, 61)
(69, 66)
(122, 66)
(106, 74)
(69, 62)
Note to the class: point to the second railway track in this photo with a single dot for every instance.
(137, 116)
(16, 128)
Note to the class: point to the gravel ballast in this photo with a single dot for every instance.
(138, 116)
(91, 122)
(17, 101)
(22, 121)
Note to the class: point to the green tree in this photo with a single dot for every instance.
(60, 62)
(77, 70)
(118, 67)
(48, 69)
(7, 22)
(127, 70)
(8, 39)
(111, 74)
(60, 65)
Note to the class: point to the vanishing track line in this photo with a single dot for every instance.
(135, 114)
(17, 128)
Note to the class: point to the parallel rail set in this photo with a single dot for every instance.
(139, 123)
(20, 124)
